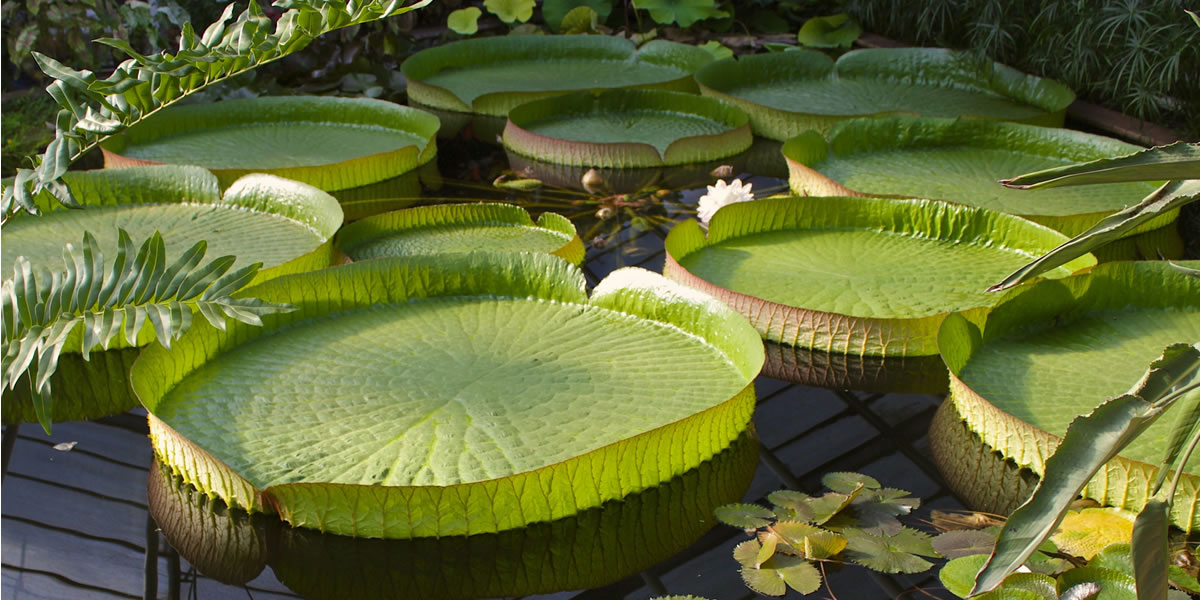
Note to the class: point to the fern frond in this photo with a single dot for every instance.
(39, 314)
(94, 109)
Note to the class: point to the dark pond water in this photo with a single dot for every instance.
(76, 522)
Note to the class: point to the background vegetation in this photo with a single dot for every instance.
(1141, 57)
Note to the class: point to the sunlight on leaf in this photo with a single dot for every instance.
(794, 534)
(1090, 442)
(108, 298)
(511, 11)
(746, 553)
(1085, 533)
(780, 573)
(464, 21)
(823, 544)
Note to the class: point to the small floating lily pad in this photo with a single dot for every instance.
(862, 276)
(961, 160)
(492, 75)
(331, 143)
(460, 228)
(1050, 352)
(627, 128)
(286, 225)
(787, 93)
(488, 393)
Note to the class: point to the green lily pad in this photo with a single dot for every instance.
(961, 160)
(285, 225)
(627, 128)
(492, 75)
(1053, 351)
(861, 276)
(597, 547)
(460, 228)
(331, 143)
(488, 392)
(787, 93)
(621, 181)
(833, 31)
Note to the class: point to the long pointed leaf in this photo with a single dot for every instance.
(26, 354)
(43, 407)
(199, 280)
(150, 269)
(175, 274)
(122, 267)
(212, 313)
(1180, 160)
(1090, 442)
(181, 319)
(93, 264)
(1150, 550)
(232, 282)
(135, 317)
(1170, 196)
(160, 317)
(90, 337)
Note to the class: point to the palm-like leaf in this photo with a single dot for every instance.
(40, 314)
(94, 109)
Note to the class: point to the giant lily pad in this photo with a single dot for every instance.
(451, 394)
(594, 548)
(622, 181)
(460, 228)
(331, 143)
(880, 374)
(492, 75)
(863, 276)
(627, 128)
(961, 160)
(787, 93)
(1053, 351)
(285, 225)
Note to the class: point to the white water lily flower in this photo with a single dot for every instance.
(720, 195)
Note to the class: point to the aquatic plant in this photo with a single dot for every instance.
(94, 109)
(856, 521)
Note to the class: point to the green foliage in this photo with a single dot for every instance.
(510, 11)
(139, 287)
(681, 12)
(1179, 162)
(464, 21)
(1047, 578)
(1137, 56)
(834, 31)
(1089, 443)
(65, 28)
(94, 108)
(28, 126)
(555, 11)
(855, 520)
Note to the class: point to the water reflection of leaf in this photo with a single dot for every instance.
(594, 548)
